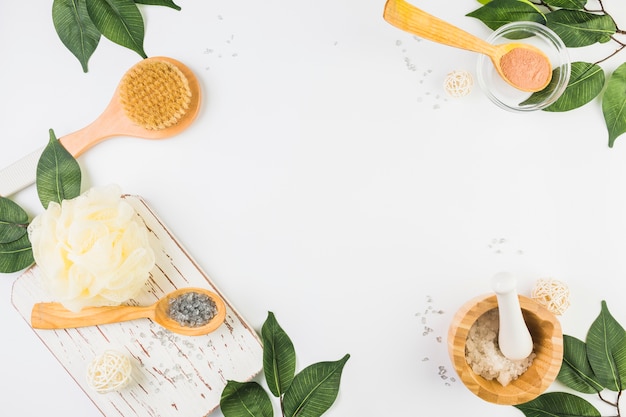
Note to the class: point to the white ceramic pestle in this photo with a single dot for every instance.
(514, 339)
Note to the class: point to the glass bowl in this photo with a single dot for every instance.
(509, 97)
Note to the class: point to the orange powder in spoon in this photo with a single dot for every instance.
(526, 69)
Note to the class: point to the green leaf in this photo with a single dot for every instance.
(16, 255)
(575, 372)
(120, 21)
(500, 12)
(567, 4)
(58, 174)
(558, 404)
(585, 83)
(245, 399)
(279, 356)
(75, 29)
(606, 350)
(166, 3)
(579, 28)
(13, 221)
(614, 104)
(314, 390)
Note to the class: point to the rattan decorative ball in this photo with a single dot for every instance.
(547, 336)
(109, 372)
(552, 293)
(458, 83)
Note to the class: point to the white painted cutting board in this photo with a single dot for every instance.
(172, 375)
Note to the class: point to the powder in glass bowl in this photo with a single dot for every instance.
(526, 69)
(192, 309)
(484, 356)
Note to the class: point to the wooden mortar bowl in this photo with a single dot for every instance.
(547, 335)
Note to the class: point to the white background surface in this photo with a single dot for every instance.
(329, 179)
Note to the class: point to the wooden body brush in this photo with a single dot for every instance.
(156, 98)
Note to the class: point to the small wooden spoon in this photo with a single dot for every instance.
(55, 316)
(523, 66)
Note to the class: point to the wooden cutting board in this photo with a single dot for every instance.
(172, 375)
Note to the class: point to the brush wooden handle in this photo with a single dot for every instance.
(409, 18)
(55, 316)
(112, 122)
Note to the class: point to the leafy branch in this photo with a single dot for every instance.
(81, 23)
(601, 11)
(309, 393)
(58, 178)
(593, 366)
(578, 26)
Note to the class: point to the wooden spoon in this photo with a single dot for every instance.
(55, 316)
(523, 66)
(115, 120)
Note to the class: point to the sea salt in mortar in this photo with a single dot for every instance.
(483, 354)
(192, 309)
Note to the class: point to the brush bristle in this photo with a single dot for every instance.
(155, 94)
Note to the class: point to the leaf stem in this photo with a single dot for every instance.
(603, 11)
(282, 406)
(544, 4)
(615, 404)
(606, 401)
(622, 46)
